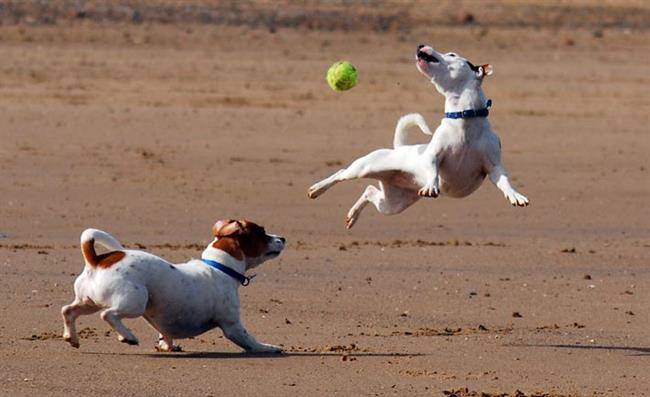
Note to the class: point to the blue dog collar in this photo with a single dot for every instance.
(243, 280)
(471, 113)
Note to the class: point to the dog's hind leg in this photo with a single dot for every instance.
(355, 211)
(70, 313)
(360, 168)
(320, 187)
(388, 199)
(130, 304)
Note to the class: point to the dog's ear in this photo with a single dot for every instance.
(485, 70)
(227, 227)
(482, 70)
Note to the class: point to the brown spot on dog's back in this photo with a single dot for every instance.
(103, 261)
(108, 259)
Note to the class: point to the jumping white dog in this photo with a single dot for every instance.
(179, 301)
(463, 150)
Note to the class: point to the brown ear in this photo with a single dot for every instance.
(226, 227)
(485, 70)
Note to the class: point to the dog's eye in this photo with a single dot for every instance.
(451, 54)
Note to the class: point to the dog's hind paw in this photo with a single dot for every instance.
(73, 342)
(350, 221)
(314, 191)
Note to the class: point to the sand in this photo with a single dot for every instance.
(154, 130)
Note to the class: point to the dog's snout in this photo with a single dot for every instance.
(420, 47)
(426, 54)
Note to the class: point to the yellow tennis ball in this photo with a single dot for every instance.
(341, 76)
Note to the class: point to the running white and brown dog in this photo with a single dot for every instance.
(462, 152)
(178, 300)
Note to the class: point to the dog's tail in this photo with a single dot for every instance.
(88, 239)
(405, 122)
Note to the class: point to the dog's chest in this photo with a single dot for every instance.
(462, 165)
(461, 146)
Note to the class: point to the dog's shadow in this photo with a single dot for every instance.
(231, 355)
(639, 351)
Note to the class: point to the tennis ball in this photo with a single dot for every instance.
(342, 76)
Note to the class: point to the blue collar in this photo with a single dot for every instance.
(243, 280)
(468, 114)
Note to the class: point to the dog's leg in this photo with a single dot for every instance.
(238, 334)
(430, 170)
(355, 211)
(131, 303)
(319, 188)
(114, 319)
(360, 168)
(499, 177)
(70, 313)
(388, 200)
(166, 344)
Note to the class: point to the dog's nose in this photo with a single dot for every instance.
(420, 47)
(284, 240)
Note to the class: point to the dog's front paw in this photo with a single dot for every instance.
(168, 348)
(274, 349)
(266, 348)
(429, 190)
(517, 199)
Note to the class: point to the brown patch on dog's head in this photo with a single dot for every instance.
(254, 240)
(240, 239)
(226, 227)
(229, 246)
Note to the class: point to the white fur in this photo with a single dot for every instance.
(102, 238)
(178, 300)
(406, 121)
(454, 163)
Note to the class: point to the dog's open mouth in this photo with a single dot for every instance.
(427, 57)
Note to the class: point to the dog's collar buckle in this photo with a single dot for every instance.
(247, 279)
(470, 113)
(243, 280)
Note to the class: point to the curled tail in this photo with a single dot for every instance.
(405, 122)
(88, 239)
